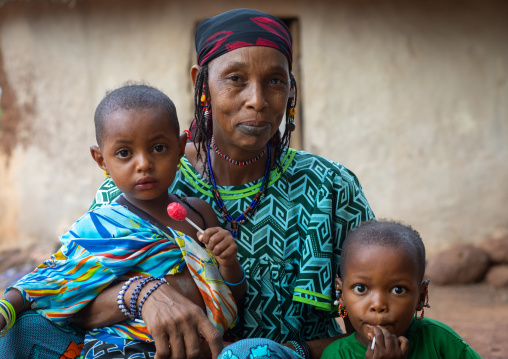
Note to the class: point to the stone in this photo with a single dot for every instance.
(460, 264)
(497, 276)
(496, 245)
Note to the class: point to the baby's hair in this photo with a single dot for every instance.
(133, 96)
(387, 234)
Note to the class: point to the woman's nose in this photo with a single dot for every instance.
(256, 96)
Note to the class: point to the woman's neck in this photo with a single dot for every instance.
(225, 172)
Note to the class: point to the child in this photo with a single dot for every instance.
(381, 290)
(140, 147)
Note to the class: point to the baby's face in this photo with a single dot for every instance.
(380, 288)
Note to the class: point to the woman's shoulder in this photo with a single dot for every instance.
(305, 162)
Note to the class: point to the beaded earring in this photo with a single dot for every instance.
(337, 293)
(342, 311)
(207, 110)
(188, 134)
(292, 113)
(426, 302)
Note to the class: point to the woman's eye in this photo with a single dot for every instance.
(359, 289)
(234, 78)
(398, 290)
(159, 148)
(122, 153)
(276, 81)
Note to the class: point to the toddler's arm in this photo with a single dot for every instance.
(223, 247)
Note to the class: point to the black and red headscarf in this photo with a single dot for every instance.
(238, 28)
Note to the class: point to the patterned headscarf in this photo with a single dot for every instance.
(238, 28)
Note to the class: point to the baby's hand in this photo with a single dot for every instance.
(221, 244)
(386, 345)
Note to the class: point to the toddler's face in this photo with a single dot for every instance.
(380, 288)
(141, 151)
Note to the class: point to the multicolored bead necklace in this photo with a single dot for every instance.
(230, 160)
(249, 211)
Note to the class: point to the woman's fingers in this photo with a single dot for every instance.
(173, 318)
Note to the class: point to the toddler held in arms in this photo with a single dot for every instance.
(133, 239)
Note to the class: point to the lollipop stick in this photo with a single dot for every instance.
(194, 224)
(373, 343)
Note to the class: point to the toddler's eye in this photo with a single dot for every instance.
(159, 148)
(122, 153)
(359, 289)
(398, 290)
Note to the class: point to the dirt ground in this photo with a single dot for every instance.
(479, 313)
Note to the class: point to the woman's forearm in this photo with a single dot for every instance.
(102, 311)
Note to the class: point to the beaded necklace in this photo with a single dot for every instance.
(251, 208)
(238, 163)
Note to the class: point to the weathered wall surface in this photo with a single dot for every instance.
(411, 96)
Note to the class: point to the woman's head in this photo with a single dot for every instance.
(139, 141)
(382, 268)
(244, 62)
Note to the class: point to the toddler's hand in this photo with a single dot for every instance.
(387, 345)
(221, 244)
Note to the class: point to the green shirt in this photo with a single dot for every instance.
(427, 338)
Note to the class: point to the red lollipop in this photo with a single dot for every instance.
(178, 213)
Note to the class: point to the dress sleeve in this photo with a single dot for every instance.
(339, 206)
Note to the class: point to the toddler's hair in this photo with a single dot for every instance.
(137, 96)
(387, 234)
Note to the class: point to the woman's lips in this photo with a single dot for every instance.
(253, 128)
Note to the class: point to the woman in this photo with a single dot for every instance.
(298, 207)
(289, 210)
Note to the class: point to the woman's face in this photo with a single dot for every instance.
(249, 90)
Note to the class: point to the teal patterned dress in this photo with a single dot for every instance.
(290, 248)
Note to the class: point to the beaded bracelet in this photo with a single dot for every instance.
(306, 348)
(135, 295)
(298, 348)
(121, 304)
(159, 283)
(234, 284)
(7, 311)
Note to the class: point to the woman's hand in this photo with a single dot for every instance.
(387, 345)
(172, 318)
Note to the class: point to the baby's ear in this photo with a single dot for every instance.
(424, 290)
(96, 153)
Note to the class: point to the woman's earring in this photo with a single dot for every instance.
(106, 174)
(207, 111)
(292, 113)
(187, 132)
(179, 165)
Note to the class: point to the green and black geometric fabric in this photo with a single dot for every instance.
(290, 249)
